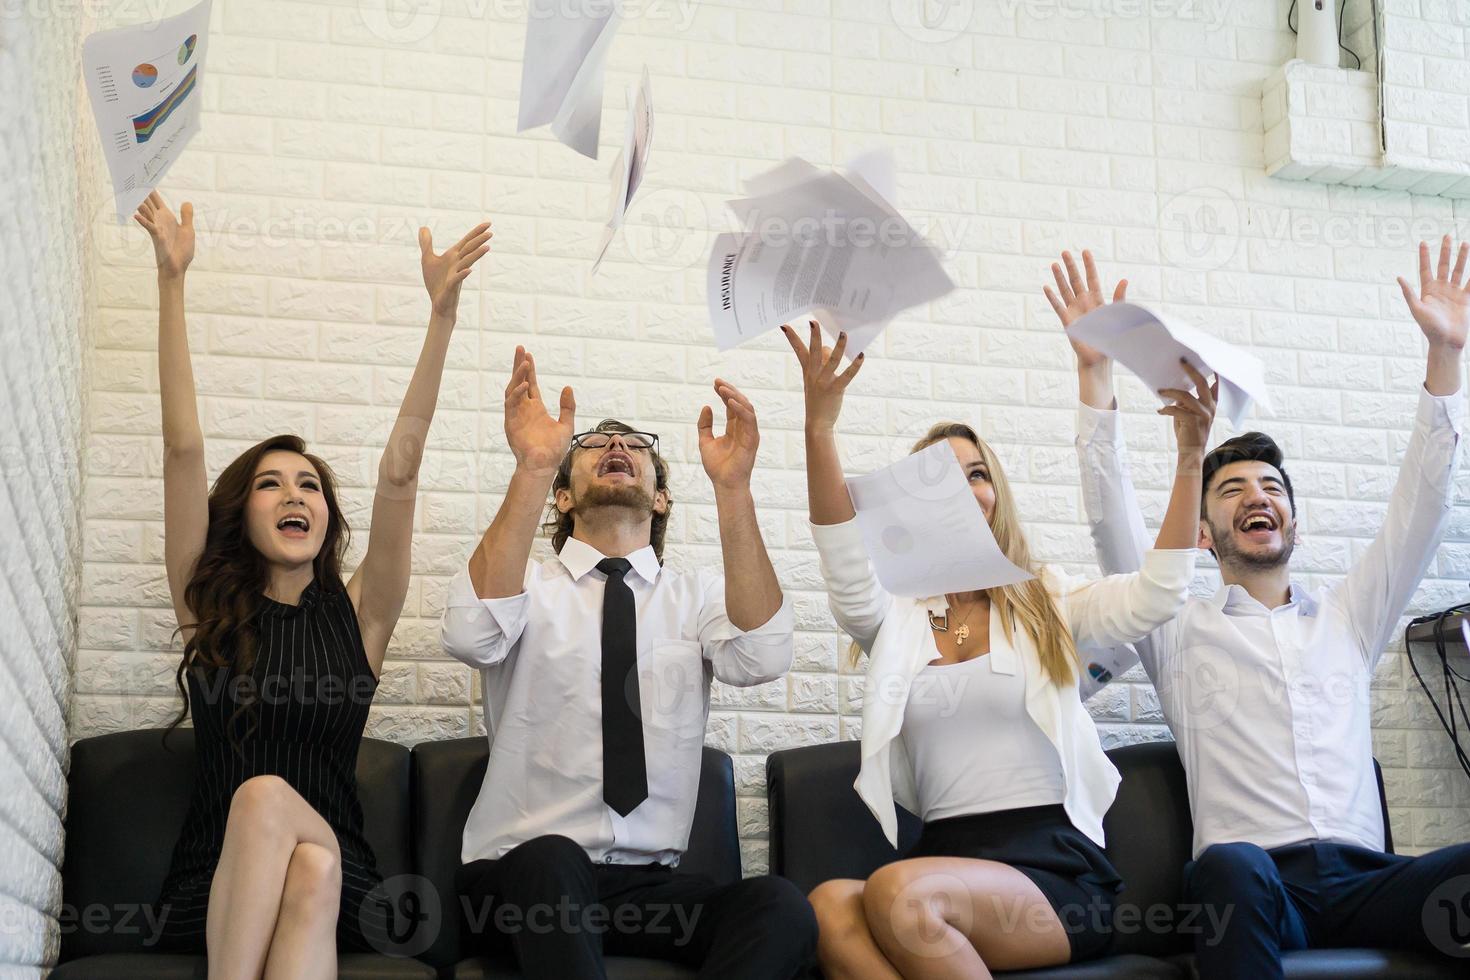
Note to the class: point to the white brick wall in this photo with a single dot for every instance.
(1020, 126)
(47, 305)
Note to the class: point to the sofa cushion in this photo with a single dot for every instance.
(127, 796)
(170, 966)
(446, 780)
(820, 828)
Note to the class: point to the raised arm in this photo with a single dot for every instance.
(185, 489)
(1380, 584)
(538, 441)
(752, 592)
(379, 585)
(859, 603)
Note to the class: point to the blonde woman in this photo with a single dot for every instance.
(972, 719)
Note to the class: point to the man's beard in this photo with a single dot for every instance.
(1227, 553)
(629, 495)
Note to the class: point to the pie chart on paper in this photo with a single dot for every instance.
(187, 48)
(145, 75)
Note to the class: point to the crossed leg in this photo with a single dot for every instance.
(273, 902)
(934, 919)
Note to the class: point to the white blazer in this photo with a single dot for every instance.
(896, 635)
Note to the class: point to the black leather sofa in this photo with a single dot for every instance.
(127, 795)
(820, 830)
(127, 799)
(446, 778)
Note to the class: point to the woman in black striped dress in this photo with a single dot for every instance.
(271, 873)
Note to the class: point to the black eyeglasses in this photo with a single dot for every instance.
(599, 440)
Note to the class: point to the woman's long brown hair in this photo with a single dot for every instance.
(231, 576)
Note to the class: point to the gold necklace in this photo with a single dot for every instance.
(961, 633)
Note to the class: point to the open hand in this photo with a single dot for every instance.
(1442, 307)
(444, 273)
(1193, 413)
(538, 441)
(1075, 298)
(729, 458)
(173, 239)
(823, 385)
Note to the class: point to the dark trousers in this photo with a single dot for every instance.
(1319, 895)
(559, 913)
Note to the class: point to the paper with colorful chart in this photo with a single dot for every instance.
(628, 168)
(144, 83)
(924, 530)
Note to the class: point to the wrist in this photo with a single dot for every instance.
(170, 278)
(737, 491)
(820, 429)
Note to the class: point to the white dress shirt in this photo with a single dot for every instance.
(1270, 708)
(896, 634)
(972, 747)
(539, 655)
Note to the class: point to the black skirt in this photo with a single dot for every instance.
(1041, 843)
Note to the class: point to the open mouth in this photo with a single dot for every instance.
(615, 462)
(1259, 526)
(294, 526)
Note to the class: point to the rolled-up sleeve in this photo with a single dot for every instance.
(859, 602)
(744, 658)
(1119, 609)
(480, 632)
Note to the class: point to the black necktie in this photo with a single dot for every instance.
(624, 771)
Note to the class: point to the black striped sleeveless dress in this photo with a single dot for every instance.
(313, 686)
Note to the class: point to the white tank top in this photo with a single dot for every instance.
(973, 747)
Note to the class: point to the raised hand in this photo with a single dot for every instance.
(173, 239)
(729, 458)
(1075, 298)
(444, 273)
(538, 441)
(1442, 307)
(823, 385)
(1193, 413)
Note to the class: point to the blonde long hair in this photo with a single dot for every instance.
(1027, 603)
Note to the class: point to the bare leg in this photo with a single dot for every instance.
(943, 918)
(305, 943)
(268, 820)
(845, 947)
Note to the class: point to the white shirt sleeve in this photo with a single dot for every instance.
(744, 658)
(480, 632)
(1380, 584)
(859, 603)
(1126, 608)
(1114, 519)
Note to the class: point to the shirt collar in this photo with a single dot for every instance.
(1234, 595)
(579, 558)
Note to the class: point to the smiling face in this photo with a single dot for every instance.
(977, 474)
(286, 513)
(1248, 519)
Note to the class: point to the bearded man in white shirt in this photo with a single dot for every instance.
(1266, 684)
(595, 669)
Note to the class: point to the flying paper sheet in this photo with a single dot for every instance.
(924, 529)
(144, 84)
(561, 71)
(627, 170)
(820, 243)
(1150, 345)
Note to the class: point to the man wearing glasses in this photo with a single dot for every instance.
(595, 668)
